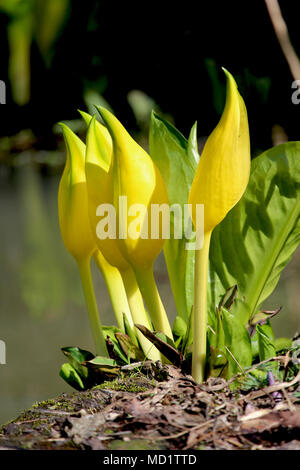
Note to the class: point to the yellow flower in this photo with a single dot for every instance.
(75, 224)
(132, 176)
(75, 227)
(128, 181)
(73, 202)
(224, 167)
(220, 181)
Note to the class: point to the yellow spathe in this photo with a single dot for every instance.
(73, 201)
(131, 174)
(224, 167)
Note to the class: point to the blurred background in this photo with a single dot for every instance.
(58, 56)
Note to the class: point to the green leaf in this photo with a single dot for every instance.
(237, 342)
(179, 331)
(130, 331)
(77, 354)
(129, 348)
(229, 297)
(77, 357)
(179, 327)
(110, 331)
(218, 361)
(188, 337)
(103, 361)
(255, 379)
(165, 338)
(282, 343)
(104, 365)
(257, 238)
(70, 375)
(176, 159)
(266, 343)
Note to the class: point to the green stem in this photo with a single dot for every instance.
(200, 310)
(89, 294)
(115, 289)
(139, 314)
(153, 301)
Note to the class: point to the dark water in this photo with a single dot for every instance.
(41, 302)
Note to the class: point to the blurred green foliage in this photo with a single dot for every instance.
(31, 20)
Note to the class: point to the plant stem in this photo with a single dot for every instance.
(153, 301)
(89, 294)
(200, 310)
(139, 313)
(115, 289)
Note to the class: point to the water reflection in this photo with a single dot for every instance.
(41, 301)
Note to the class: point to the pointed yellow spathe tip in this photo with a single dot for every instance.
(99, 145)
(101, 128)
(120, 136)
(75, 154)
(224, 167)
(72, 200)
(85, 116)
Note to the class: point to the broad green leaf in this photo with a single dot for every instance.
(257, 238)
(77, 354)
(282, 343)
(237, 342)
(176, 160)
(103, 361)
(266, 343)
(104, 365)
(70, 375)
(77, 357)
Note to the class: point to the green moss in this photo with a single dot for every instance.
(44, 404)
(127, 384)
(55, 405)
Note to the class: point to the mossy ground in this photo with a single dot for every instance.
(143, 412)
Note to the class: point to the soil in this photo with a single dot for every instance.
(161, 408)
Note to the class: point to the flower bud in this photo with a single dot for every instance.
(224, 167)
(130, 184)
(72, 200)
